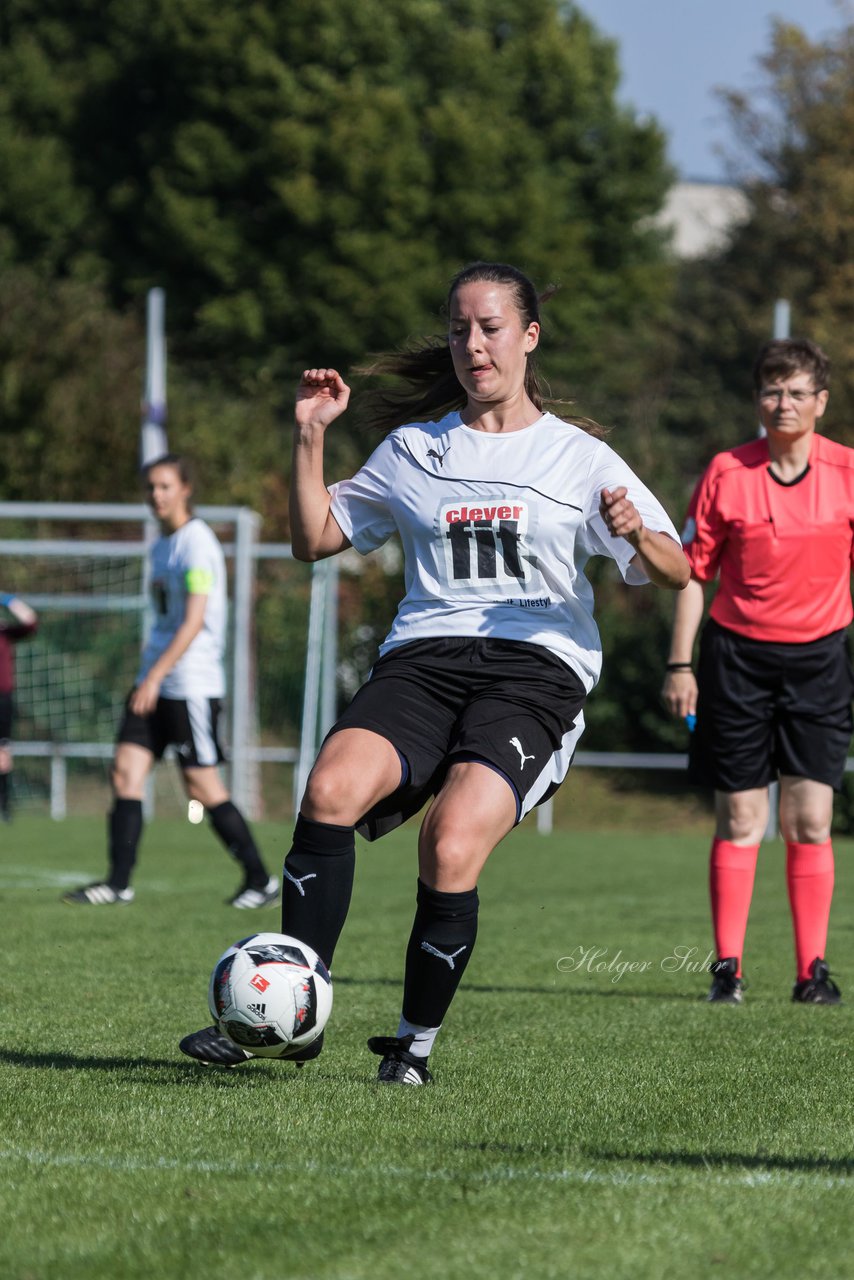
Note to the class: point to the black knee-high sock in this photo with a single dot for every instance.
(230, 825)
(317, 883)
(124, 826)
(440, 947)
(5, 793)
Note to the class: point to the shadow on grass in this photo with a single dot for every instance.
(621, 993)
(156, 1067)
(762, 1160)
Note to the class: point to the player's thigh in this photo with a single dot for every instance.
(205, 784)
(474, 809)
(355, 770)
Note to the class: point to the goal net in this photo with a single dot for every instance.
(83, 568)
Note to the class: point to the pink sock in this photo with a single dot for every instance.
(809, 875)
(732, 868)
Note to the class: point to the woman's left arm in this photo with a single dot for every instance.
(662, 560)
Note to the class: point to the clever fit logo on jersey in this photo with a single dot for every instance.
(484, 540)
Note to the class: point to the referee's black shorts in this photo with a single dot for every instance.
(766, 709)
(510, 705)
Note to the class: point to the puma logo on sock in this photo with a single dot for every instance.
(434, 951)
(297, 880)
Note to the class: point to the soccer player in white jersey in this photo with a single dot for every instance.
(178, 696)
(476, 701)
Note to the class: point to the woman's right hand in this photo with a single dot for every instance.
(679, 693)
(322, 396)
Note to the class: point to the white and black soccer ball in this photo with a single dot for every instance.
(270, 994)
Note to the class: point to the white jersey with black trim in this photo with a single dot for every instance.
(496, 531)
(188, 561)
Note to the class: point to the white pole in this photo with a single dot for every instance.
(329, 672)
(782, 318)
(242, 692)
(152, 439)
(58, 787)
(311, 692)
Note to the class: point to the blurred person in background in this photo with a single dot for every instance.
(19, 622)
(772, 521)
(177, 698)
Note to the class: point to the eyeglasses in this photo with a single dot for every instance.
(774, 395)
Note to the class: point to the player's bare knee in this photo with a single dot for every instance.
(119, 779)
(127, 777)
(805, 830)
(329, 798)
(741, 828)
(448, 858)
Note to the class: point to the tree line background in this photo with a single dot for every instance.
(303, 177)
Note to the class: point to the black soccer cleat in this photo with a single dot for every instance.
(726, 988)
(818, 988)
(308, 1054)
(398, 1065)
(210, 1047)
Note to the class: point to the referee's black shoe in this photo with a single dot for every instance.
(726, 988)
(818, 988)
(398, 1065)
(210, 1047)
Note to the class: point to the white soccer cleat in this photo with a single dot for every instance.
(98, 895)
(247, 899)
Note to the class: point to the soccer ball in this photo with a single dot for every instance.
(270, 994)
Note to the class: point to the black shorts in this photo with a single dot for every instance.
(766, 709)
(188, 724)
(511, 705)
(7, 710)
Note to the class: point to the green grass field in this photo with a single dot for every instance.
(585, 1121)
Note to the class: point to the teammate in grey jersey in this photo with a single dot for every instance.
(475, 704)
(177, 697)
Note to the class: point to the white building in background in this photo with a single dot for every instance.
(701, 215)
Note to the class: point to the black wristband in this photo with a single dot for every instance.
(679, 666)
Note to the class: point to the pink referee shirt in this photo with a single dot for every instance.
(783, 552)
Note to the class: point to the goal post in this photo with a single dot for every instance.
(84, 568)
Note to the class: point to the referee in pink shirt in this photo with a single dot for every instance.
(772, 521)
